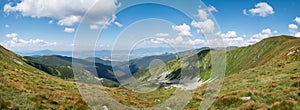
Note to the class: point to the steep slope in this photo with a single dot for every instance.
(259, 54)
(25, 87)
(173, 67)
(261, 76)
(264, 75)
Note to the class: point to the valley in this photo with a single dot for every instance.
(260, 76)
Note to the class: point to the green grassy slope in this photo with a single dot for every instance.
(258, 54)
(266, 74)
(25, 87)
(262, 76)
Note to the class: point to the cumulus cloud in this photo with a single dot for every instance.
(15, 41)
(69, 30)
(11, 35)
(265, 33)
(162, 35)
(293, 28)
(183, 30)
(69, 21)
(297, 34)
(202, 14)
(232, 39)
(179, 41)
(206, 27)
(229, 34)
(253, 40)
(229, 38)
(196, 42)
(262, 9)
(297, 19)
(67, 12)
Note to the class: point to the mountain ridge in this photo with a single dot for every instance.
(260, 76)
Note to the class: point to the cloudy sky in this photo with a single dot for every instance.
(29, 25)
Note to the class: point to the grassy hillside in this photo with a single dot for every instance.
(261, 76)
(267, 73)
(259, 54)
(24, 87)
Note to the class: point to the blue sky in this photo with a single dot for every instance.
(30, 25)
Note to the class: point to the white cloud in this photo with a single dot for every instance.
(69, 30)
(245, 12)
(94, 27)
(118, 24)
(50, 22)
(229, 38)
(69, 21)
(67, 12)
(229, 34)
(212, 9)
(297, 34)
(293, 28)
(206, 27)
(265, 33)
(196, 42)
(204, 24)
(297, 19)
(6, 26)
(253, 40)
(262, 9)
(162, 35)
(179, 41)
(16, 42)
(183, 30)
(202, 14)
(232, 39)
(11, 35)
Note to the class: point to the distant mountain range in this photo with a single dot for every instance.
(104, 54)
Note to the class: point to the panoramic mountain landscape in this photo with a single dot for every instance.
(260, 76)
(149, 55)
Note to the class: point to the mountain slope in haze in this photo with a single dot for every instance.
(61, 66)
